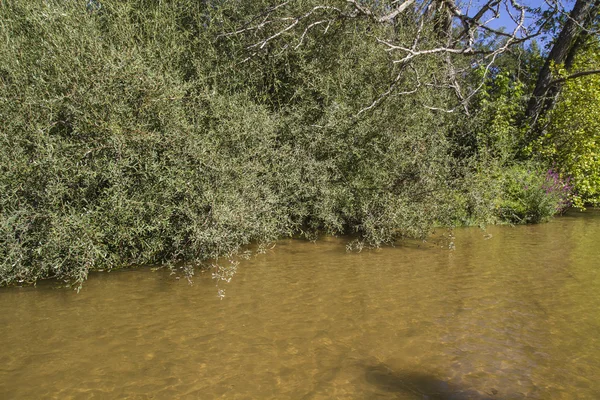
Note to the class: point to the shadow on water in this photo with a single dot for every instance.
(417, 385)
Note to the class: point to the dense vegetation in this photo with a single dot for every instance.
(572, 138)
(146, 132)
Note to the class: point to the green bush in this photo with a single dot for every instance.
(532, 194)
(112, 156)
(132, 135)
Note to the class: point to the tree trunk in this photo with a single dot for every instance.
(561, 50)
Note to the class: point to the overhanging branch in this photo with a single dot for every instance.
(573, 76)
(461, 36)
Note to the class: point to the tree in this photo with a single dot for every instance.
(573, 33)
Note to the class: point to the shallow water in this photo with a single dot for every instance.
(511, 316)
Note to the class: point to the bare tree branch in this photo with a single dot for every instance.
(459, 34)
(294, 22)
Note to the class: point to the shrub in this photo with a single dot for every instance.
(131, 135)
(532, 195)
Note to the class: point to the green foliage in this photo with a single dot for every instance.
(132, 135)
(498, 185)
(572, 139)
(142, 132)
(112, 156)
(497, 110)
(532, 195)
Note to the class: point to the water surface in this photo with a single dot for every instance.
(511, 316)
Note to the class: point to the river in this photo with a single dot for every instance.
(510, 313)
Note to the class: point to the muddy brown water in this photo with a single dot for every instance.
(511, 316)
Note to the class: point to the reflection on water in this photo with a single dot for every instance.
(514, 316)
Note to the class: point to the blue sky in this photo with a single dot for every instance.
(505, 21)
